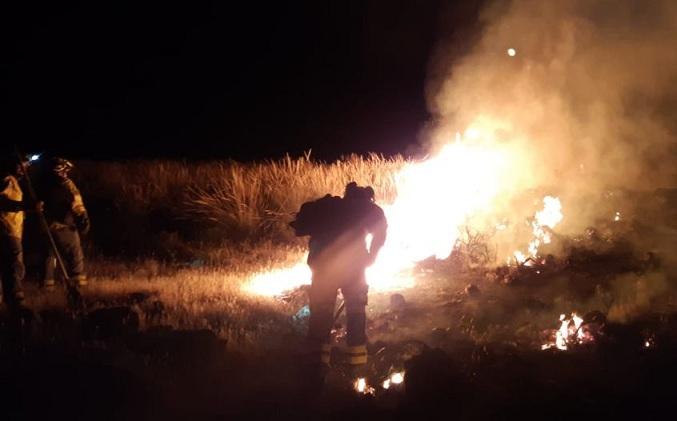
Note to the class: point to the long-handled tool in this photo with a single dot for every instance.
(73, 296)
(339, 311)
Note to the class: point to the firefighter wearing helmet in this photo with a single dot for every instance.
(67, 219)
(338, 257)
(12, 209)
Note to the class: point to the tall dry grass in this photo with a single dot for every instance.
(259, 199)
(170, 209)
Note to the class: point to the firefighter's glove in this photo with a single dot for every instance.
(82, 223)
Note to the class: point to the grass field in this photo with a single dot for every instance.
(173, 243)
(178, 210)
(189, 235)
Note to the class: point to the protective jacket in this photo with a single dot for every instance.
(12, 268)
(11, 207)
(63, 205)
(338, 228)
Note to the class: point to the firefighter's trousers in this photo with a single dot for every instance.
(323, 292)
(67, 242)
(12, 268)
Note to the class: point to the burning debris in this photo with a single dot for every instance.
(395, 379)
(542, 224)
(362, 387)
(575, 331)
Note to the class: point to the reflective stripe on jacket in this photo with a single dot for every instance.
(11, 222)
(357, 355)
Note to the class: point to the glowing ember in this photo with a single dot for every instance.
(512, 52)
(434, 198)
(649, 342)
(361, 386)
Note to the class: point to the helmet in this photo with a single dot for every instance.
(60, 166)
(353, 191)
(10, 164)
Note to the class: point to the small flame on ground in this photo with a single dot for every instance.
(569, 332)
(361, 386)
(649, 342)
(548, 217)
(397, 378)
(512, 52)
(394, 379)
(277, 281)
(617, 216)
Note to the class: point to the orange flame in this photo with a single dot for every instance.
(434, 198)
(569, 332)
(361, 386)
(550, 216)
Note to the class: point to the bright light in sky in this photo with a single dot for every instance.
(512, 52)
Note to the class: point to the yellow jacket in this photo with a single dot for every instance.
(11, 209)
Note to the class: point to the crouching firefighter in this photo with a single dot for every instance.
(67, 219)
(338, 257)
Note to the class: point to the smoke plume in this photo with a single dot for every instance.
(588, 99)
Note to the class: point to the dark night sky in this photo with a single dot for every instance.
(207, 79)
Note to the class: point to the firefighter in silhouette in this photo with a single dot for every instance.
(338, 257)
(67, 219)
(12, 209)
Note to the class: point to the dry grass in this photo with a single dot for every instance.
(188, 234)
(171, 209)
(258, 199)
(192, 298)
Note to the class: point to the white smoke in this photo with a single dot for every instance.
(590, 97)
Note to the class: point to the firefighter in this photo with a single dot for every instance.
(67, 219)
(12, 208)
(338, 257)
